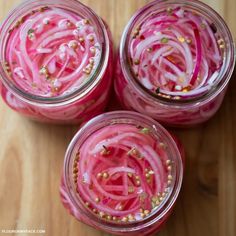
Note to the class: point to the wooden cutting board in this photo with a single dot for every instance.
(31, 158)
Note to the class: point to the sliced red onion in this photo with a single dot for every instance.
(54, 61)
(176, 53)
(122, 170)
(44, 50)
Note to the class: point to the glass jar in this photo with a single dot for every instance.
(204, 53)
(44, 93)
(122, 174)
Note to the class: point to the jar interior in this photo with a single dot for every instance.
(217, 80)
(88, 19)
(158, 133)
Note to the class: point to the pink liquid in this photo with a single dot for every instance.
(53, 53)
(122, 175)
(175, 55)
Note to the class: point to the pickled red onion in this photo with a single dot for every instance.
(122, 172)
(175, 53)
(52, 52)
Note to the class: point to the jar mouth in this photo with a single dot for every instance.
(123, 117)
(74, 7)
(156, 6)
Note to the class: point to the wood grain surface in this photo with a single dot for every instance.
(31, 158)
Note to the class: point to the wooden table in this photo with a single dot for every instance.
(31, 158)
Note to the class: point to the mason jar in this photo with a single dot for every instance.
(55, 61)
(175, 62)
(122, 174)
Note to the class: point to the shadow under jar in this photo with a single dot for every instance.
(122, 174)
(55, 61)
(175, 62)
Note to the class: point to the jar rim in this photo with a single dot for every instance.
(118, 117)
(71, 5)
(226, 70)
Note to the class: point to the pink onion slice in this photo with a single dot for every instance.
(56, 50)
(175, 53)
(122, 172)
